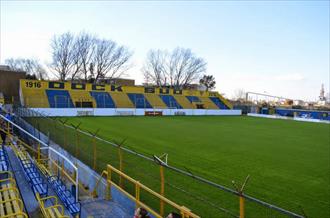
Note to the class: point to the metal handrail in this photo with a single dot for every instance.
(46, 147)
(184, 211)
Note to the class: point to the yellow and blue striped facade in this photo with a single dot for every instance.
(54, 94)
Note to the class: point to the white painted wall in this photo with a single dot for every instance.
(71, 112)
(288, 118)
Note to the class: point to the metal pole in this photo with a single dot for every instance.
(77, 143)
(162, 189)
(241, 207)
(108, 191)
(120, 155)
(137, 194)
(38, 154)
(94, 153)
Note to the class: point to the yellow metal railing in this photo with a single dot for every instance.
(185, 212)
(56, 206)
(8, 185)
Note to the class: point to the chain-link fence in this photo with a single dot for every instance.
(204, 197)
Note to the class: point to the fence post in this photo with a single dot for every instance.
(94, 153)
(241, 196)
(62, 168)
(162, 161)
(77, 145)
(94, 148)
(120, 155)
(241, 206)
(64, 133)
(120, 159)
(38, 153)
(108, 191)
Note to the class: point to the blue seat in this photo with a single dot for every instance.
(139, 100)
(59, 99)
(218, 102)
(170, 101)
(34, 178)
(3, 160)
(103, 100)
(193, 99)
(65, 195)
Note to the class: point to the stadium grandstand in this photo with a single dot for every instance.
(111, 98)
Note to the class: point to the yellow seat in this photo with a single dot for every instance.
(184, 102)
(81, 96)
(10, 203)
(121, 100)
(54, 211)
(36, 98)
(155, 100)
(208, 103)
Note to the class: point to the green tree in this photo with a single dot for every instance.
(208, 81)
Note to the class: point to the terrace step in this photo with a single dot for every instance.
(104, 209)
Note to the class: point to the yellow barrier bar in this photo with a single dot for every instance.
(55, 205)
(120, 156)
(64, 172)
(38, 156)
(62, 168)
(162, 189)
(140, 203)
(94, 153)
(20, 202)
(8, 172)
(11, 180)
(138, 185)
(14, 189)
(108, 192)
(137, 194)
(94, 192)
(15, 215)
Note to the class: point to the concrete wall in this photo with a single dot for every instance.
(288, 118)
(70, 112)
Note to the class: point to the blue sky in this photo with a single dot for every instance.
(281, 48)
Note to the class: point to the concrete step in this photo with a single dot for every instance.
(103, 209)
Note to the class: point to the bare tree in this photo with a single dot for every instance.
(186, 67)
(87, 57)
(239, 94)
(64, 56)
(154, 70)
(208, 81)
(110, 60)
(180, 68)
(31, 66)
(86, 50)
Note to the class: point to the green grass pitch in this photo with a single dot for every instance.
(288, 161)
